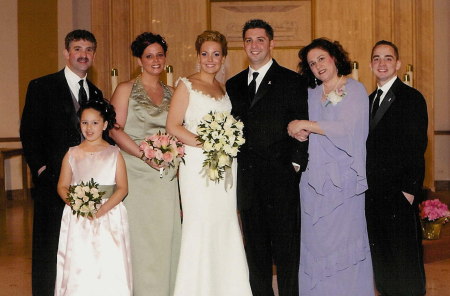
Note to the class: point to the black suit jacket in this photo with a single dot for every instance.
(50, 124)
(397, 141)
(281, 98)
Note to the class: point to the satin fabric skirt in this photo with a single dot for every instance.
(94, 255)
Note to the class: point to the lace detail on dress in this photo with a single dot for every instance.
(188, 84)
(139, 94)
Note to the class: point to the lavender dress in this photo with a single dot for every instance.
(335, 253)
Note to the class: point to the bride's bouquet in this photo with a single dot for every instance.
(85, 198)
(221, 135)
(163, 149)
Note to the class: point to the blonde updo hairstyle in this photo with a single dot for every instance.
(211, 36)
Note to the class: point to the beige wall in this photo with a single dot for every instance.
(9, 83)
(442, 86)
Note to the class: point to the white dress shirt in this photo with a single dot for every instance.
(73, 79)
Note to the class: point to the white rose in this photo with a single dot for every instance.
(208, 146)
(215, 125)
(207, 117)
(79, 191)
(234, 151)
(85, 198)
(240, 141)
(218, 146)
(224, 160)
(94, 190)
(84, 209)
(239, 125)
(219, 117)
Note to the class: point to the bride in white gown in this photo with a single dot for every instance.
(212, 258)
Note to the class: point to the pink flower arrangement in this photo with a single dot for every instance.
(431, 210)
(163, 149)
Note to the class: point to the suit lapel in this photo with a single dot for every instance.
(65, 94)
(385, 104)
(266, 84)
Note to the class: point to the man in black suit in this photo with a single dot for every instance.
(395, 171)
(49, 127)
(267, 185)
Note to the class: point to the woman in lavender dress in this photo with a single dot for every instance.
(335, 254)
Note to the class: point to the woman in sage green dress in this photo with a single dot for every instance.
(153, 203)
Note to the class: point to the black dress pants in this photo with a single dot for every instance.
(395, 243)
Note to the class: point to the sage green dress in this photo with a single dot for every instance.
(152, 203)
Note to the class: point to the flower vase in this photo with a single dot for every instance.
(431, 230)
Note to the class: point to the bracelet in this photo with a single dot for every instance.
(143, 157)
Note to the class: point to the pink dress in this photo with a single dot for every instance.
(94, 255)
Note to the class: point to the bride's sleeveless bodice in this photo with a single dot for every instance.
(201, 104)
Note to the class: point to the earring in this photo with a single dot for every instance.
(315, 80)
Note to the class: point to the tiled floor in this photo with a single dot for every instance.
(15, 254)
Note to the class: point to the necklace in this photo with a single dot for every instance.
(334, 89)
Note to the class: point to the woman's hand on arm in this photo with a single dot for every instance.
(177, 111)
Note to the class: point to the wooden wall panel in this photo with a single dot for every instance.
(351, 25)
(408, 23)
(180, 22)
(424, 75)
(101, 20)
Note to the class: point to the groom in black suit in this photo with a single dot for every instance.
(395, 171)
(266, 97)
(49, 127)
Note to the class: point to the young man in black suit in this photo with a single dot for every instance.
(49, 127)
(269, 162)
(395, 171)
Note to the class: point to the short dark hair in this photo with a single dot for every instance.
(104, 107)
(212, 36)
(388, 43)
(335, 50)
(258, 24)
(145, 39)
(79, 35)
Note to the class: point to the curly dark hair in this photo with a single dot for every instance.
(104, 107)
(258, 24)
(79, 35)
(335, 50)
(212, 36)
(145, 39)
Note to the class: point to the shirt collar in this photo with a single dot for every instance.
(385, 88)
(262, 71)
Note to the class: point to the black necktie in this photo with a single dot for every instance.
(376, 103)
(252, 87)
(82, 95)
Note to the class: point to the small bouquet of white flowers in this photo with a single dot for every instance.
(85, 198)
(221, 135)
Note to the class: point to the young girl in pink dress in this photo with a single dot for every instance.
(94, 253)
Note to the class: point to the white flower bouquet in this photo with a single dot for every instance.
(85, 198)
(221, 135)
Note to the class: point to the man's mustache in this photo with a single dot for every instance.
(82, 60)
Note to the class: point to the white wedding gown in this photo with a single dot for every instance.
(212, 259)
(94, 255)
